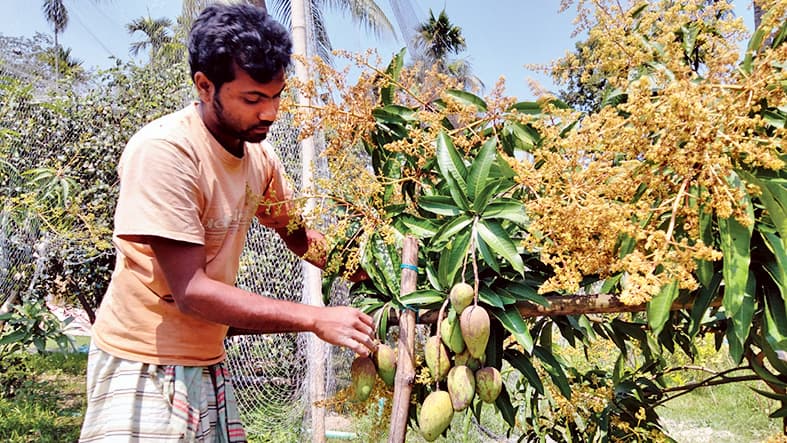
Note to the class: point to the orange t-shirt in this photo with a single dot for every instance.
(177, 182)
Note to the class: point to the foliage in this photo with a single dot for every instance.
(48, 405)
(673, 190)
(30, 324)
(59, 154)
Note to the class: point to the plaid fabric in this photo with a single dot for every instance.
(139, 402)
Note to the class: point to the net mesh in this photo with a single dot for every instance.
(48, 253)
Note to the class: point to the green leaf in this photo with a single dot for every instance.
(409, 224)
(530, 108)
(507, 209)
(489, 297)
(388, 93)
(525, 292)
(479, 171)
(522, 363)
(450, 229)
(439, 205)
(452, 259)
(702, 302)
(660, 306)
(507, 410)
(554, 369)
(524, 137)
(741, 321)
(422, 298)
(773, 195)
(498, 240)
(489, 258)
(755, 42)
(735, 247)
(452, 169)
(512, 320)
(779, 413)
(467, 98)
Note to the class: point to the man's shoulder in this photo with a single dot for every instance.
(176, 126)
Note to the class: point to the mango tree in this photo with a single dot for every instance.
(666, 205)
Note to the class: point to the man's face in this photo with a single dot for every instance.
(245, 109)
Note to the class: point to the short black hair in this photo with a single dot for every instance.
(242, 35)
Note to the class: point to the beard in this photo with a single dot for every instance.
(231, 128)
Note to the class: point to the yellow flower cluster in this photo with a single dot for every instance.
(620, 190)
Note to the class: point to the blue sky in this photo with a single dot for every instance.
(502, 35)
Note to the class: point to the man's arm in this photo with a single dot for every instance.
(195, 293)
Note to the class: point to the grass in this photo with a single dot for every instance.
(49, 404)
(731, 413)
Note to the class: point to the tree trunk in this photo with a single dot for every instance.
(757, 13)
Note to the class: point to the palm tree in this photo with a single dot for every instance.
(439, 37)
(157, 35)
(57, 15)
(64, 62)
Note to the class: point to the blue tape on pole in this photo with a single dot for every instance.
(409, 266)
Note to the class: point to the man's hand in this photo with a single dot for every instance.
(348, 327)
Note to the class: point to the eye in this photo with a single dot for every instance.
(251, 101)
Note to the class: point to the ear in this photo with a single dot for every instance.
(204, 87)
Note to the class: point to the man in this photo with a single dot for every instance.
(190, 184)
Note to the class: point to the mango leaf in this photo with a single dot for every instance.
(735, 247)
(388, 93)
(525, 292)
(773, 195)
(498, 240)
(392, 169)
(489, 257)
(507, 209)
(512, 320)
(467, 98)
(779, 413)
(489, 297)
(704, 267)
(388, 261)
(507, 410)
(523, 137)
(660, 306)
(439, 205)
(452, 169)
(755, 42)
(422, 299)
(418, 227)
(702, 302)
(530, 108)
(492, 187)
(741, 321)
(452, 259)
(554, 369)
(450, 229)
(479, 170)
(522, 363)
(397, 114)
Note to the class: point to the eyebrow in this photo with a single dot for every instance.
(263, 95)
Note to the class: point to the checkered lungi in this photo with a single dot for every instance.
(131, 401)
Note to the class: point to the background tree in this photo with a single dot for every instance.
(157, 35)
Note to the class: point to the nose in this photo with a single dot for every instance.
(268, 110)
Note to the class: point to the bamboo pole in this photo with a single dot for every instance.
(405, 366)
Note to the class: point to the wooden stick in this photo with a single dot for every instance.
(405, 365)
(574, 305)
